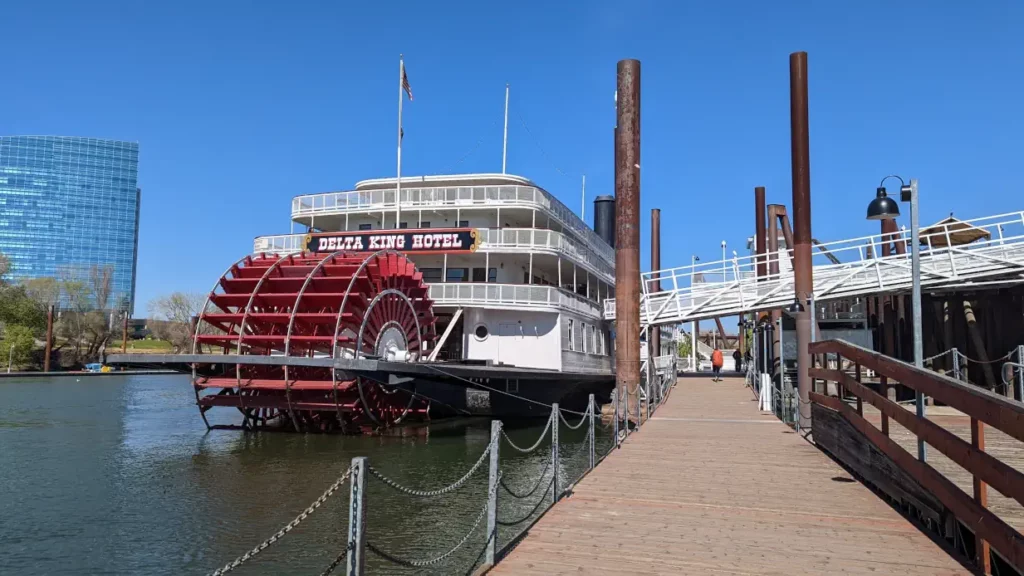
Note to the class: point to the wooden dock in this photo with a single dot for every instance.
(712, 486)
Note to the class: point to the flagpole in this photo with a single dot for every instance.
(583, 203)
(504, 141)
(398, 181)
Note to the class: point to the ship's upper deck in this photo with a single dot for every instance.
(445, 194)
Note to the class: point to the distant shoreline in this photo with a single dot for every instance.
(66, 373)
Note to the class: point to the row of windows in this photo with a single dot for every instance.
(583, 337)
(424, 224)
(459, 274)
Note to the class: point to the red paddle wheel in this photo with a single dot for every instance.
(321, 307)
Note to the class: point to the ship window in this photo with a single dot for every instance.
(478, 274)
(403, 225)
(571, 339)
(583, 328)
(462, 224)
(457, 275)
(492, 275)
(425, 224)
(366, 226)
(431, 274)
(481, 332)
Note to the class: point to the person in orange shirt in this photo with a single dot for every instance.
(716, 365)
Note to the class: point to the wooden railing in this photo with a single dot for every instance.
(983, 408)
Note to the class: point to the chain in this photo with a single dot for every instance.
(428, 493)
(939, 355)
(424, 563)
(337, 562)
(547, 464)
(288, 527)
(543, 435)
(577, 426)
(531, 512)
(1006, 356)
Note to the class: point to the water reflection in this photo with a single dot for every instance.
(117, 475)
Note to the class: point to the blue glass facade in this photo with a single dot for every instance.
(68, 205)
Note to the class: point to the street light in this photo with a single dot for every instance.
(723, 261)
(885, 208)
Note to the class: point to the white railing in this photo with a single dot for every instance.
(451, 196)
(491, 239)
(730, 287)
(535, 239)
(514, 296)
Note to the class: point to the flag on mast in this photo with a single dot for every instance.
(405, 82)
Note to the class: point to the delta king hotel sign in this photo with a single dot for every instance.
(448, 241)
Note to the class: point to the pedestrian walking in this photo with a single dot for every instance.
(716, 365)
(737, 358)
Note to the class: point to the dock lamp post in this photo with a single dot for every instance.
(885, 208)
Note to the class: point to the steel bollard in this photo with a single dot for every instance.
(357, 519)
(554, 452)
(593, 455)
(492, 495)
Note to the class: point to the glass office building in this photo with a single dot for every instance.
(68, 207)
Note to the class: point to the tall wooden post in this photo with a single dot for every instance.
(124, 334)
(627, 230)
(653, 333)
(803, 273)
(981, 496)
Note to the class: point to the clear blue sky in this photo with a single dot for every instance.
(238, 106)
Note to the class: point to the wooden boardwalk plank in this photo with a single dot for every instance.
(712, 486)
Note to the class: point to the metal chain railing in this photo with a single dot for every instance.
(437, 559)
(583, 420)
(353, 556)
(543, 436)
(514, 494)
(429, 493)
(287, 528)
(541, 501)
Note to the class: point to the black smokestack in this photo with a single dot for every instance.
(604, 218)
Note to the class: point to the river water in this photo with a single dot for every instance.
(118, 475)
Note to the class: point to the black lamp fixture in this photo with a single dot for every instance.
(883, 207)
(796, 307)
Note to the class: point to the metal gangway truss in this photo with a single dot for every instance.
(954, 254)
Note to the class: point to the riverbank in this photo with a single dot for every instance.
(69, 373)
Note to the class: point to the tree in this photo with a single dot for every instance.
(17, 344)
(100, 281)
(16, 308)
(5, 266)
(46, 290)
(684, 345)
(171, 318)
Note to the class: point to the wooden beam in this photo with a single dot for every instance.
(1006, 540)
(1000, 476)
(981, 548)
(992, 409)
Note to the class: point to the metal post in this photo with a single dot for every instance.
(615, 419)
(554, 452)
(492, 494)
(1020, 374)
(627, 225)
(956, 364)
(49, 339)
(803, 272)
(355, 562)
(759, 232)
(915, 263)
(786, 400)
(592, 409)
(653, 332)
